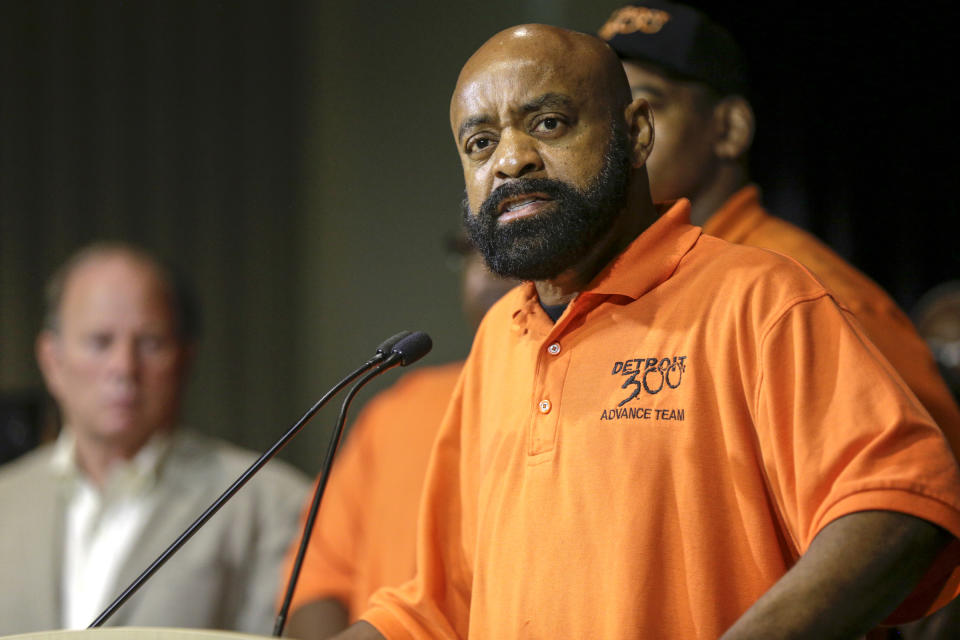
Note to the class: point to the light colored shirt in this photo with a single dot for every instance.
(102, 525)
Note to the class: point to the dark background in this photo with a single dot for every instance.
(856, 110)
(293, 159)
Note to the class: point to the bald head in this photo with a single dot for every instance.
(552, 150)
(583, 61)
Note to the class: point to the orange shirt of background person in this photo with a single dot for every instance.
(365, 533)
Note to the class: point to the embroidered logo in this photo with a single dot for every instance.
(630, 19)
(649, 375)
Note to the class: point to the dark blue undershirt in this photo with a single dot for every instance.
(554, 311)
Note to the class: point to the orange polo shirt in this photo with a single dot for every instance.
(744, 221)
(657, 459)
(366, 530)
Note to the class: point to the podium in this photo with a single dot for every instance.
(135, 633)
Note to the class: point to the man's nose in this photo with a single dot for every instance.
(517, 156)
(124, 359)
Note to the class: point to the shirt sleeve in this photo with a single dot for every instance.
(840, 432)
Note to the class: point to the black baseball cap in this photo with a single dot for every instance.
(681, 40)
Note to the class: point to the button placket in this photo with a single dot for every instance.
(551, 373)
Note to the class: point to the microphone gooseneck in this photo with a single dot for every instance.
(386, 354)
(407, 350)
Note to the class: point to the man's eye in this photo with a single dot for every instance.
(548, 125)
(479, 143)
(98, 341)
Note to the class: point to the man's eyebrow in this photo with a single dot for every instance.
(549, 101)
(472, 122)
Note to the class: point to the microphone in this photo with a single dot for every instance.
(412, 347)
(401, 348)
(387, 345)
(404, 352)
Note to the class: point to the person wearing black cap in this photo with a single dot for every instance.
(692, 72)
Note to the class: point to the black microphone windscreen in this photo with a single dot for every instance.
(387, 345)
(413, 347)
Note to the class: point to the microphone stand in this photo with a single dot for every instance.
(281, 620)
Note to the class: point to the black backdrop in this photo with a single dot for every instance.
(857, 111)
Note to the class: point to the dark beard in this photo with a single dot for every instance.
(545, 245)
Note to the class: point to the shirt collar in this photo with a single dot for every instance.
(646, 262)
(652, 257)
(738, 216)
(138, 472)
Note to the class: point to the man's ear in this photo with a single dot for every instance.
(46, 347)
(639, 118)
(734, 121)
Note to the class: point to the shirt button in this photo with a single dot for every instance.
(554, 349)
(544, 406)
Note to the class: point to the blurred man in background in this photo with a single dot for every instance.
(85, 515)
(365, 534)
(693, 74)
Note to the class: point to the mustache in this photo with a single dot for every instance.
(555, 189)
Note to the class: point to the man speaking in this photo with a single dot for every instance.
(662, 435)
